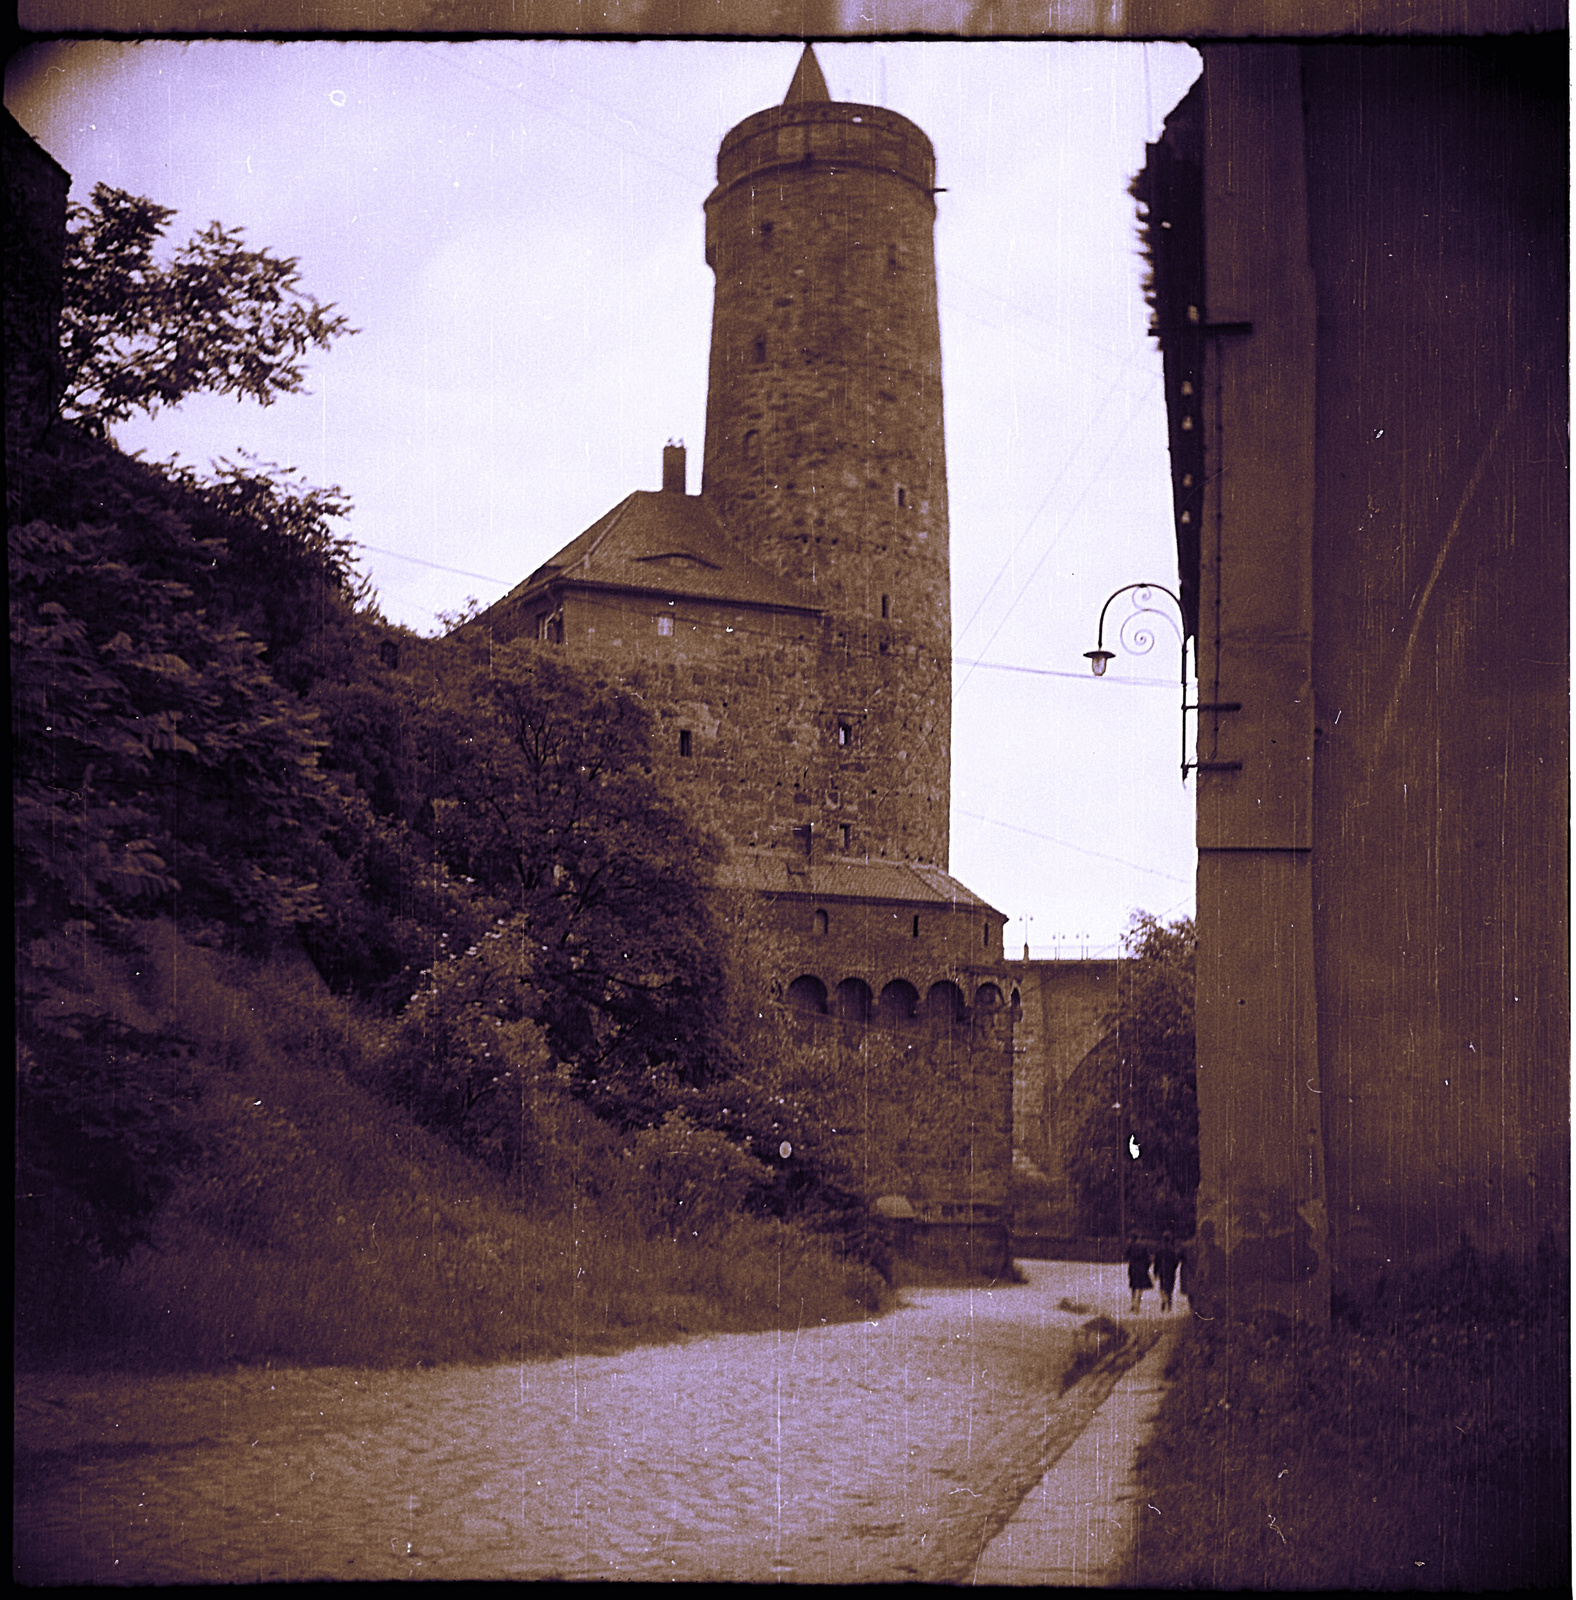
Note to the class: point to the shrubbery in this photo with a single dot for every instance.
(320, 1224)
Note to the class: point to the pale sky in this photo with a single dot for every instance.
(516, 228)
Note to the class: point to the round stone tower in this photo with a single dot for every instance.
(824, 452)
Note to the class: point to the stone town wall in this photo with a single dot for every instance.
(911, 1057)
(922, 1110)
(1060, 1019)
(762, 696)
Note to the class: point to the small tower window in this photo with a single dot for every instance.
(891, 260)
(848, 834)
(388, 653)
(752, 446)
(665, 626)
(820, 924)
(845, 735)
(766, 236)
(760, 349)
(916, 927)
(901, 496)
(686, 742)
(985, 935)
(886, 606)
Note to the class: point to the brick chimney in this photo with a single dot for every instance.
(673, 468)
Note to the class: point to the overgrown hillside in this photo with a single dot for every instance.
(371, 1002)
(321, 1225)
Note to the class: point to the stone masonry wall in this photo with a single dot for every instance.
(912, 1058)
(1060, 1020)
(762, 695)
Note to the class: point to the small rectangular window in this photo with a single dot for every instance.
(848, 835)
(916, 927)
(665, 626)
(845, 735)
(686, 742)
(886, 606)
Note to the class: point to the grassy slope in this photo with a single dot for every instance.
(1419, 1445)
(325, 1227)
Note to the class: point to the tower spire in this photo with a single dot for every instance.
(808, 84)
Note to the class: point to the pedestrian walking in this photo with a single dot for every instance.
(1167, 1259)
(1138, 1259)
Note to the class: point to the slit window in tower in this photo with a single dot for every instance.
(845, 735)
(916, 927)
(901, 496)
(686, 742)
(820, 923)
(760, 349)
(848, 834)
(886, 606)
(766, 236)
(752, 446)
(891, 260)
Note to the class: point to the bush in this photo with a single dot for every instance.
(318, 1224)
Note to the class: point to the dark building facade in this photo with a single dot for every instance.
(1360, 287)
(789, 630)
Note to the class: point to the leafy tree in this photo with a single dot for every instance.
(542, 793)
(1137, 1090)
(153, 753)
(217, 318)
(160, 765)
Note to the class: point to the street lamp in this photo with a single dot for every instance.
(1138, 638)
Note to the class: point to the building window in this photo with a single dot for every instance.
(766, 236)
(820, 923)
(985, 935)
(752, 446)
(760, 349)
(686, 742)
(891, 260)
(665, 626)
(900, 494)
(845, 735)
(388, 653)
(886, 606)
(848, 834)
(916, 927)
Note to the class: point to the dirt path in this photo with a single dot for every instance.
(882, 1450)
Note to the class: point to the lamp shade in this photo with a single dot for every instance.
(1097, 660)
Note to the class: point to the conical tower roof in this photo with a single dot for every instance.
(808, 84)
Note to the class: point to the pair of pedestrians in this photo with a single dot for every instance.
(1165, 1258)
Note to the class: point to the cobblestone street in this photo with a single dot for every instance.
(885, 1450)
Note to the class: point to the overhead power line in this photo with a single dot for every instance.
(1065, 845)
